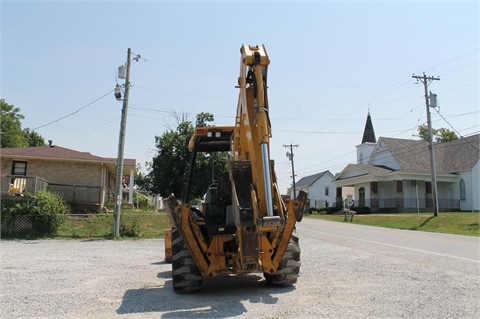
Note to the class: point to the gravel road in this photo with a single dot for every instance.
(340, 278)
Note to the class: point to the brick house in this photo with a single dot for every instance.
(79, 177)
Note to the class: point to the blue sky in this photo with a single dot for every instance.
(331, 63)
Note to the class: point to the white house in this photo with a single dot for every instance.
(320, 188)
(394, 174)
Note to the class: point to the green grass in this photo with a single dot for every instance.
(449, 223)
(151, 224)
(134, 224)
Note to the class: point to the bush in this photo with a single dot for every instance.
(332, 210)
(132, 230)
(46, 212)
(141, 201)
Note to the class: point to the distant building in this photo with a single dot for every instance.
(320, 189)
(393, 174)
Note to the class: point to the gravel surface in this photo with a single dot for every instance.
(129, 279)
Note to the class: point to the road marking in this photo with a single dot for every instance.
(395, 246)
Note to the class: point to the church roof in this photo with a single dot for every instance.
(450, 157)
(368, 132)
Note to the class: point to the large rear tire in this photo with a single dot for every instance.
(289, 269)
(186, 276)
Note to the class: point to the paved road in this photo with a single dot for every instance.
(348, 271)
(452, 246)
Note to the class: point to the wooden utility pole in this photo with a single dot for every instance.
(426, 81)
(121, 142)
(290, 157)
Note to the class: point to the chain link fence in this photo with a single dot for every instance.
(15, 224)
(133, 224)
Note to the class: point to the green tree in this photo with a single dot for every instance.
(12, 134)
(143, 181)
(169, 170)
(203, 119)
(33, 138)
(445, 135)
(11, 126)
(439, 135)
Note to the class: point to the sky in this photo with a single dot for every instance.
(332, 63)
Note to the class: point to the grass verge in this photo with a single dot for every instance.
(449, 223)
(133, 224)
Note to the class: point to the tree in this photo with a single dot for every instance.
(33, 138)
(169, 169)
(445, 135)
(143, 181)
(439, 135)
(203, 118)
(12, 134)
(11, 126)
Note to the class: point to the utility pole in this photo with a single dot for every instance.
(426, 80)
(290, 157)
(121, 143)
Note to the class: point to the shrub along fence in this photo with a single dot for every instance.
(39, 215)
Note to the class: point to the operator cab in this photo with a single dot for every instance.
(218, 207)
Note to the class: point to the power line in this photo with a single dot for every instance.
(88, 132)
(460, 135)
(453, 59)
(189, 69)
(75, 112)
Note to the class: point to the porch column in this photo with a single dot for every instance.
(103, 178)
(130, 187)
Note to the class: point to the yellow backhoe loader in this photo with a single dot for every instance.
(243, 226)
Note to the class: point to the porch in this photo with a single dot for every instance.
(16, 187)
(405, 204)
(12, 185)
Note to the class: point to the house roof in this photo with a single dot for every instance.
(453, 156)
(309, 180)
(57, 152)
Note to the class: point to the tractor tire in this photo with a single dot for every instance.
(186, 276)
(289, 269)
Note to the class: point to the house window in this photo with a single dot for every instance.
(19, 168)
(463, 196)
(374, 187)
(399, 186)
(428, 187)
(327, 190)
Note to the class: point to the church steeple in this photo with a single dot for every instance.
(369, 133)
